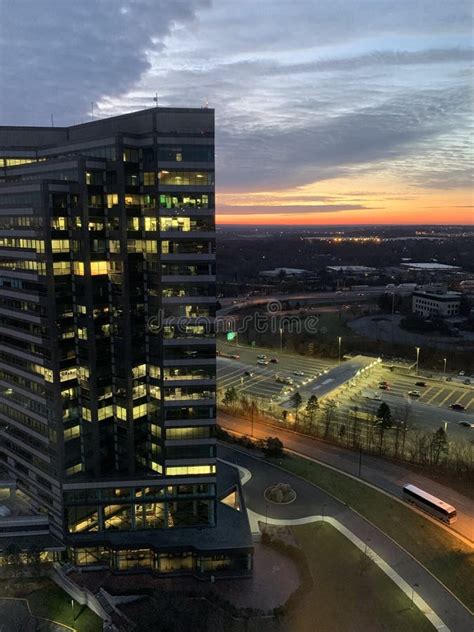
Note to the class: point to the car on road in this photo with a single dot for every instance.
(249, 373)
(261, 356)
(274, 360)
(300, 373)
(384, 387)
(420, 383)
(414, 393)
(262, 362)
(466, 424)
(457, 406)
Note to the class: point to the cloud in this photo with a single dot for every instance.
(58, 56)
(289, 209)
(304, 92)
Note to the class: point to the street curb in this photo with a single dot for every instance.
(360, 515)
(453, 532)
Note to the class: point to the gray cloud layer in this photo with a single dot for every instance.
(303, 91)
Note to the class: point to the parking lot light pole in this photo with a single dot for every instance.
(417, 359)
(281, 338)
(339, 339)
(444, 367)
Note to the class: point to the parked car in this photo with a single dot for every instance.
(466, 424)
(249, 373)
(235, 356)
(456, 406)
(414, 393)
(420, 383)
(384, 387)
(467, 381)
(449, 379)
(262, 362)
(300, 373)
(274, 360)
(462, 373)
(261, 356)
(383, 383)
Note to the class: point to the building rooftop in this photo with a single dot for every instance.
(431, 266)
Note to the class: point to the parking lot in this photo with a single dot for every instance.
(436, 392)
(231, 372)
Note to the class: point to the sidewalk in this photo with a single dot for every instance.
(392, 559)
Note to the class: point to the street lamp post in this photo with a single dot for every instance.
(339, 340)
(281, 338)
(417, 359)
(252, 414)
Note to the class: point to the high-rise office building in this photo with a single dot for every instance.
(107, 344)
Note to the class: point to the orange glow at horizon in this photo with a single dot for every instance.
(382, 201)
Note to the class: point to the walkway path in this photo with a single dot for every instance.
(379, 472)
(313, 503)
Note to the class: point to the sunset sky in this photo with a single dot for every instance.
(327, 111)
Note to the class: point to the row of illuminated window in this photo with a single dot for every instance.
(171, 332)
(186, 178)
(120, 412)
(15, 162)
(57, 245)
(94, 267)
(72, 433)
(185, 393)
(140, 516)
(185, 433)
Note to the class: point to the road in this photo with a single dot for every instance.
(386, 475)
(311, 500)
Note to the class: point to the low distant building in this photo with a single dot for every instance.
(430, 267)
(436, 303)
(284, 272)
(357, 270)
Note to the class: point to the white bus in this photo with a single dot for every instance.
(429, 503)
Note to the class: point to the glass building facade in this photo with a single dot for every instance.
(107, 347)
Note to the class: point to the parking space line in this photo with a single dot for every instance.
(438, 393)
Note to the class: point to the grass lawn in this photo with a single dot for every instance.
(444, 555)
(53, 603)
(348, 593)
(47, 600)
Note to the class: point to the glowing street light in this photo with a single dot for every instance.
(444, 368)
(417, 359)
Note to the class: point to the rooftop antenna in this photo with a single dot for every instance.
(52, 119)
(205, 105)
(155, 99)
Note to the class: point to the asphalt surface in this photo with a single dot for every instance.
(427, 413)
(388, 476)
(311, 500)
